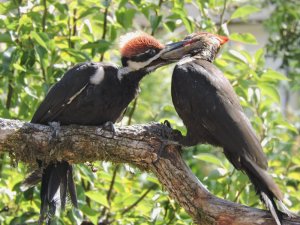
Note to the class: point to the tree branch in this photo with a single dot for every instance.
(138, 145)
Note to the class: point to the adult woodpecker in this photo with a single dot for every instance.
(94, 94)
(206, 102)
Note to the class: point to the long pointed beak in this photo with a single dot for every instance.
(174, 46)
(175, 51)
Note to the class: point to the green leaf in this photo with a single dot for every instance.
(287, 125)
(246, 38)
(294, 176)
(155, 21)
(209, 158)
(97, 197)
(259, 54)
(89, 11)
(90, 213)
(170, 25)
(187, 23)
(5, 37)
(269, 90)
(100, 45)
(37, 37)
(241, 57)
(18, 67)
(125, 17)
(244, 11)
(273, 75)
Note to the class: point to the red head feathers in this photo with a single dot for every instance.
(135, 43)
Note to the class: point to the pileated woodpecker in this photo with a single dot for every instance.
(206, 102)
(93, 94)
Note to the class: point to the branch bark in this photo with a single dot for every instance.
(138, 145)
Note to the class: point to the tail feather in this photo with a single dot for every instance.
(72, 188)
(264, 186)
(270, 204)
(57, 179)
(63, 190)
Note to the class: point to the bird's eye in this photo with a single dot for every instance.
(151, 52)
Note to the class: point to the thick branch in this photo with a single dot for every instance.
(138, 145)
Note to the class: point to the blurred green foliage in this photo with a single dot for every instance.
(40, 40)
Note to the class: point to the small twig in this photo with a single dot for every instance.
(156, 13)
(9, 94)
(160, 3)
(44, 15)
(222, 15)
(239, 193)
(138, 201)
(108, 196)
(73, 28)
(86, 188)
(132, 111)
(229, 184)
(105, 25)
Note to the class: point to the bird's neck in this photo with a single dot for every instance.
(207, 54)
(132, 75)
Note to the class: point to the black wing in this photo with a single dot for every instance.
(73, 82)
(205, 100)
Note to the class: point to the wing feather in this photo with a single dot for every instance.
(62, 92)
(216, 107)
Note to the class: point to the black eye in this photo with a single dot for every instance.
(145, 55)
(151, 52)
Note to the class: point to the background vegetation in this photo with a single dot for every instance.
(40, 40)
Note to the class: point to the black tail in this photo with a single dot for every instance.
(57, 180)
(265, 187)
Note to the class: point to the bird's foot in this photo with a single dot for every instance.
(166, 133)
(109, 126)
(167, 123)
(55, 126)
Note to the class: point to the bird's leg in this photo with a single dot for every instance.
(167, 123)
(109, 126)
(166, 133)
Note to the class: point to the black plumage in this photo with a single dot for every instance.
(93, 94)
(206, 102)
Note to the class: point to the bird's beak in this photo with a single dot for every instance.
(177, 50)
(174, 51)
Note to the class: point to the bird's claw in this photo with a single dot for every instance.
(165, 140)
(55, 126)
(109, 126)
(167, 123)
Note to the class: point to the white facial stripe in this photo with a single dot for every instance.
(138, 65)
(76, 94)
(185, 60)
(98, 76)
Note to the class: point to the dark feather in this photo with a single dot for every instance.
(210, 109)
(72, 187)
